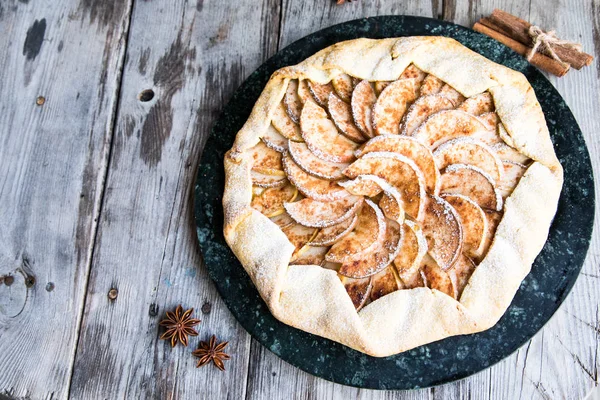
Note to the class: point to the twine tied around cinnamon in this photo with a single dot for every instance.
(542, 42)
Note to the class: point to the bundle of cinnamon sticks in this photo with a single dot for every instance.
(515, 33)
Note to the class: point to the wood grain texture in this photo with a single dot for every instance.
(59, 77)
(193, 55)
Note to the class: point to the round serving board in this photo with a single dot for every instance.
(541, 293)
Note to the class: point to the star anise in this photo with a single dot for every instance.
(179, 326)
(210, 350)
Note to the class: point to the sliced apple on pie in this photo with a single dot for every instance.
(446, 125)
(323, 214)
(341, 113)
(421, 109)
(391, 106)
(479, 104)
(362, 102)
(330, 235)
(265, 160)
(311, 186)
(313, 165)
(469, 151)
(472, 182)
(343, 86)
(271, 201)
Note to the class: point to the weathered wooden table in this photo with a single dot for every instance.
(104, 109)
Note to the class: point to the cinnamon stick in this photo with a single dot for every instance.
(518, 29)
(539, 60)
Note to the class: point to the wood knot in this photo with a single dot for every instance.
(146, 95)
(206, 308)
(112, 294)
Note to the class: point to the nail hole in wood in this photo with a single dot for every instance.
(153, 310)
(206, 307)
(40, 100)
(8, 280)
(112, 294)
(146, 95)
(49, 286)
(29, 281)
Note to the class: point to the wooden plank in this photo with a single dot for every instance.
(192, 55)
(53, 158)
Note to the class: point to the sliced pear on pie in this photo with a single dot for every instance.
(283, 220)
(332, 234)
(343, 86)
(384, 283)
(512, 174)
(443, 231)
(490, 120)
(320, 92)
(410, 148)
(507, 153)
(292, 102)
(299, 236)
(323, 214)
(375, 261)
(421, 109)
(472, 182)
(391, 106)
(446, 125)
(313, 165)
(358, 290)
(400, 172)
(304, 91)
(266, 160)
(362, 102)
(368, 235)
(460, 273)
(341, 113)
(284, 124)
(413, 249)
(473, 221)
(466, 150)
(322, 137)
(311, 255)
(452, 94)
(479, 104)
(273, 139)
(310, 186)
(435, 277)
(271, 201)
(267, 181)
(431, 85)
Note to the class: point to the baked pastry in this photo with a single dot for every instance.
(389, 193)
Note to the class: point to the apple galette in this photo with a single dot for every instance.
(389, 193)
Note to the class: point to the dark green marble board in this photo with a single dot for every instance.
(552, 276)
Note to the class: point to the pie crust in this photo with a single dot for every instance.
(313, 297)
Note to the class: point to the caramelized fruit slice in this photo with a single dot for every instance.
(313, 165)
(375, 261)
(380, 86)
(413, 249)
(267, 181)
(320, 92)
(391, 202)
(283, 220)
(400, 172)
(452, 94)
(271, 201)
(363, 99)
(479, 104)
(292, 102)
(460, 273)
(274, 140)
(299, 236)
(310, 186)
(328, 236)
(512, 174)
(284, 124)
(391, 106)
(466, 150)
(303, 91)
(474, 223)
(385, 282)
(322, 137)
(319, 214)
(442, 229)
(410, 148)
(358, 290)
(472, 182)
(436, 278)
(311, 256)
(367, 236)
(343, 86)
(431, 85)
(422, 108)
(446, 125)
(266, 160)
(341, 113)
